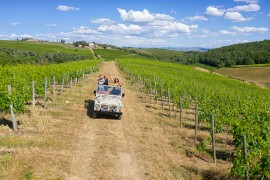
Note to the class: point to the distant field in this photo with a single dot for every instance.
(21, 52)
(44, 47)
(112, 54)
(257, 75)
(209, 68)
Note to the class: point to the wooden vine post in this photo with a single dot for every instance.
(54, 88)
(62, 87)
(245, 155)
(33, 94)
(45, 92)
(213, 139)
(169, 103)
(70, 82)
(180, 105)
(196, 124)
(161, 95)
(13, 116)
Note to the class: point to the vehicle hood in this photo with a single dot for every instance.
(112, 100)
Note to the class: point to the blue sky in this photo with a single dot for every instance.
(138, 23)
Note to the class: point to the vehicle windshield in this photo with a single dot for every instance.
(109, 90)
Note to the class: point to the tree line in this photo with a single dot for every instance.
(13, 56)
(227, 56)
(238, 54)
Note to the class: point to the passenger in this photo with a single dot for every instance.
(101, 80)
(115, 91)
(106, 80)
(116, 82)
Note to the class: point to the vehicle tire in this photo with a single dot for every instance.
(119, 116)
(95, 115)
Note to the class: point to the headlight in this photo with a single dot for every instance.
(97, 106)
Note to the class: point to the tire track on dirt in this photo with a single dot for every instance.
(105, 148)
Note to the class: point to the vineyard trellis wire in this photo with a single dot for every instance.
(241, 107)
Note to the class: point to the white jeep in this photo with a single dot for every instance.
(108, 100)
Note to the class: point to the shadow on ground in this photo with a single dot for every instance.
(7, 122)
(89, 105)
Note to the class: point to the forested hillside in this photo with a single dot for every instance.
(20, 52)
(227, 56)
(167, 55)
(238, 54)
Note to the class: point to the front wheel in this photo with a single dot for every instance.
(94, 115)
(119, 116)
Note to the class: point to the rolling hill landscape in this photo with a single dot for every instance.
(147, 79)
(134, 90)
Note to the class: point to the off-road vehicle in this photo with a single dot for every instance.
(108, 100)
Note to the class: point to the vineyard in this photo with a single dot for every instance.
(242, 108)
(112, 54)
(20, 52)
(22, 77)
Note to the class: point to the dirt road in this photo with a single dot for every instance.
(65, 142)
(145, 144)
(105, 148)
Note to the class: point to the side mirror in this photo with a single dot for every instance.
(123, 94)
(95, 92)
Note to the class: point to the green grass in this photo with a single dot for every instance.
(16, 142)
(160, 54)
(259, 75)
(252, 65)
(45, 47)
(210, 68)
(111, 54)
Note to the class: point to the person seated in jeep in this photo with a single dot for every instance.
(115, 91)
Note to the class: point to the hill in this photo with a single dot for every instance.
(165, 55)
(238, 54)
(227, 56)
(22, 52)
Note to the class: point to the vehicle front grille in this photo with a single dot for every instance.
(111, 108)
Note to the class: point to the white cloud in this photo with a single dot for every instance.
(225, 32)
(213, 11)
(205, 31)
(121, 28)
(175, 27)
(142, 16)
(26, 36)
(67, 8)
(195, 26)
(102, 21)
(197, 18)
(246, 8)
(136, 16)
(51, 25)
(236, 17)
(84, 30)
(247, 1)
(13, 36)
(79, 33)
(46, 36)
(268, 14)
(15, 23)
(249, 29)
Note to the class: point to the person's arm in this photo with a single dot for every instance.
(110, 77)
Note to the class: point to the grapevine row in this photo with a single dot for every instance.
(20, 78)
(243, 107)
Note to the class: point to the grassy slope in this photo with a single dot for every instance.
(111, 54)
(43, 48)
(161, 54)
(257, 75)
